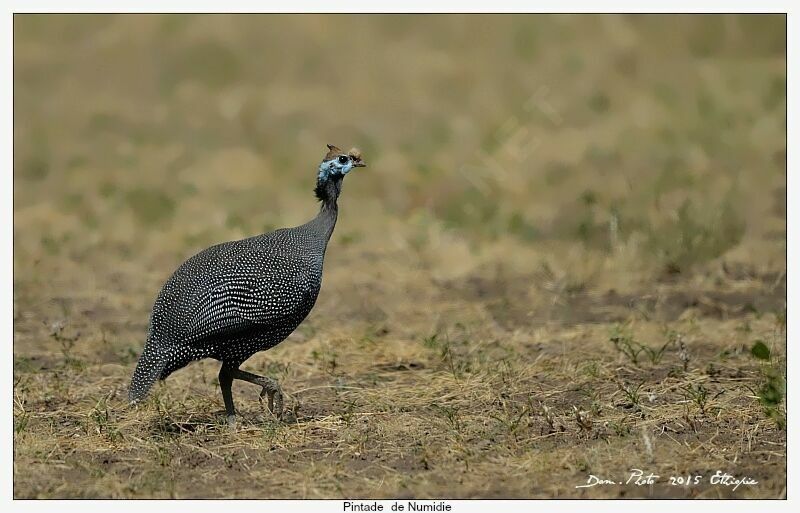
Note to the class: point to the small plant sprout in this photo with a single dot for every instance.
(624, 343)
(655, 355)
(697, 394)
(631, 394)
(511, 420)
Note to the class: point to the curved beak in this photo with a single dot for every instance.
(359, 164)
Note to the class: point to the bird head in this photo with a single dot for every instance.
(339, 163)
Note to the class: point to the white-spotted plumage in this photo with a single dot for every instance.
(237, 298)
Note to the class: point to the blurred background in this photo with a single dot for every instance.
(523, 170)
(606, 151)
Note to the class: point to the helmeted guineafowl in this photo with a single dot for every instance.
(237, 298)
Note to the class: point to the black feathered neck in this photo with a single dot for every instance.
(328, 189)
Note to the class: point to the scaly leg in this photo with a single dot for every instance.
(225, 382)
(269, 387)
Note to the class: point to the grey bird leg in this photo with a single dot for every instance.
(269, 386)
(225, 382)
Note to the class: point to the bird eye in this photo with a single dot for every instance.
(342, 159)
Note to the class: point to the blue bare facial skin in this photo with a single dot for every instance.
(340, 164)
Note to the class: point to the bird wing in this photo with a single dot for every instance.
(240, 304)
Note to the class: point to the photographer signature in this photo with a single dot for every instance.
(638, 477)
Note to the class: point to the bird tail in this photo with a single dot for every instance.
(149, 368)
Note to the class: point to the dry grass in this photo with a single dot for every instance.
(571, 234)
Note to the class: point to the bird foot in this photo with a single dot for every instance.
(290, 415)
(272, 390)
(231, 421)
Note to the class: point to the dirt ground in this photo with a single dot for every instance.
(566, 257)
